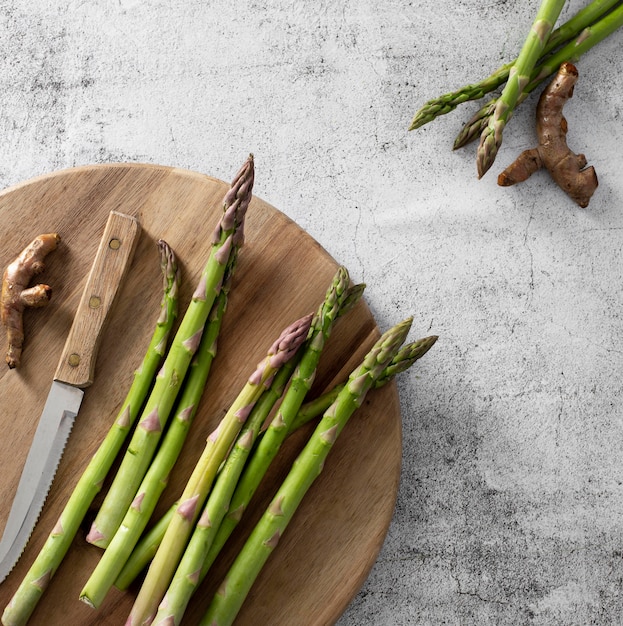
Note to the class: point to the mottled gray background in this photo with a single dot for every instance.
(511, 500)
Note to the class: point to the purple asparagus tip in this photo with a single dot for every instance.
(236, 201)
(283, 349)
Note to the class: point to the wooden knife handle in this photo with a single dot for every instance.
(113, 258)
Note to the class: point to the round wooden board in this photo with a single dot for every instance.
(283, 274)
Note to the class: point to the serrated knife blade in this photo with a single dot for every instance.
(74, 373)
(47, 447)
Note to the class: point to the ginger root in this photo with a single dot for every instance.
(552, 152)
(16, 295)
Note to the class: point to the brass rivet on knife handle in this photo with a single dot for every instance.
(113, 258)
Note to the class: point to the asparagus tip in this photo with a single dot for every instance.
(487, 151)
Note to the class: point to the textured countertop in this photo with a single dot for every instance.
(510, 507)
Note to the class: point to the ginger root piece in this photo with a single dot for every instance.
(16, 295)
(552, 152)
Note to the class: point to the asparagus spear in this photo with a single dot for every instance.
(447, 102)
(307, 467)
(476, 124)
(138, 514)
(518, 78)
(186, 577)
(147, 547)
(571, 52)
(195, 493)
(88, 486)
(450, 101)
(145, 550)
(135, 463)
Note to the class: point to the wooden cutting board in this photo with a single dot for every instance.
(283, 274)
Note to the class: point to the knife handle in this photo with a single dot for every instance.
(112, 261)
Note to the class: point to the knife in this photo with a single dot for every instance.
(73, 374)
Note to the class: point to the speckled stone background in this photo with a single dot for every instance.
(510, 508)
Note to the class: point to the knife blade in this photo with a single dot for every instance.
(73, 374)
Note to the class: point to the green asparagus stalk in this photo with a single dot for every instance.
(228, 234)
(196, 491)
(145, 550)
(88, 486)
(147, 547)
(587, 39)
(450, 101)
(309, 464)
(138, 514)
(518, 78)
(187, 576)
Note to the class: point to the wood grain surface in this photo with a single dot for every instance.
(283, 274)
(112, 262)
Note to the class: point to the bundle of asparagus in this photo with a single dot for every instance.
(237, 457)
(180, 548)
(384, 361)
(184, 544)
(307, 467)
(543, 52)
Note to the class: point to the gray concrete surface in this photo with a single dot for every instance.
(511, 499)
